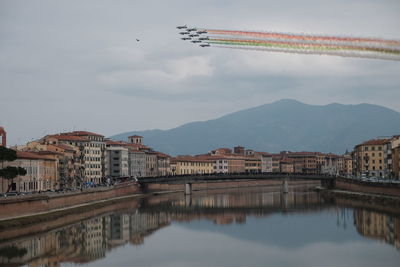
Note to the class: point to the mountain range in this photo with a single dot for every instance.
(283, 125)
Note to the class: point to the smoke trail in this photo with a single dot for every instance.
(301, 43)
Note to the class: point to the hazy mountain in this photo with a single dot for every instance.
(282, 125)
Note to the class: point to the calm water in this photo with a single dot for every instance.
(251, 227)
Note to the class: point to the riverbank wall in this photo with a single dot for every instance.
(31, 205)
(390, 189)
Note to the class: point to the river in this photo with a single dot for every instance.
(237, 227)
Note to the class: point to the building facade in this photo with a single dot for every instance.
(3, 137)
(369, 158)
(191, 165)
(41, 173)
(117, 162)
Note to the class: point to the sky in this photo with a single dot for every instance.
(76, 65)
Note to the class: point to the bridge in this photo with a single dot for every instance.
(326, 180)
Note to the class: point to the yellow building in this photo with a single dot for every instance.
(252, 165)
(369, 158)
(41, 173)
(191, 165)
(348, 165)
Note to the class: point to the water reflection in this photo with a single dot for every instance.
(91, 238)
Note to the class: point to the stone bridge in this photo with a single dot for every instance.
(327, 181)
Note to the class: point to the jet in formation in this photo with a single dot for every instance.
(204, 45)
(182, 27)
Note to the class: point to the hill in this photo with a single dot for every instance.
(283, 125)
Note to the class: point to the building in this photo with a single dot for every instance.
(92, 152)
(333, 164)
(395, 157)
(239, 150)
(163, 164)
(369, 158)
(41, 173)
(137, 163)
(220, 163)
(286, 165)
(135, 139)
(117, 161)
(151, 169)
(69, 166)
(304, 162)
(3, 135)
(348, 164)
(266, 161)
(192, 165)
(252, 164)
(276, 158)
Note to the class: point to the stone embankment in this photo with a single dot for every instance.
(32, 204)
(389, 189)
(24, 206)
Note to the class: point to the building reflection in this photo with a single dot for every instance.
(378, 226)
(90, 239)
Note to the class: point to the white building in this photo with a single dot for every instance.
(117, 162)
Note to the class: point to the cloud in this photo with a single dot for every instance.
(64, 54)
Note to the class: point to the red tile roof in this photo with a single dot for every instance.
(84, 133)
(135, 136)
(375, 142)
(115, 143)
(137, 146)
(189, 159)
(63, 137)
(162, 155)
(31, 155)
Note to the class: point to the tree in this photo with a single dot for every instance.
(9, 172)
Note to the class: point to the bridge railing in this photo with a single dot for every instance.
(231, 176)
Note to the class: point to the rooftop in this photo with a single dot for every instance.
(31, 155)
(135, 136)
(187, 158)
(375, 142)
(65, 137)
(84, 133)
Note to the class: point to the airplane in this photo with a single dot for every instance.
(204, 38)
(186, 38)
(204, 45)
(193, 35)
(196, 41)
(182, 27)
(191, 29)
(184, 33)
(200, 32)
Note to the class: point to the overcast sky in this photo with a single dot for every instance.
(70, 64)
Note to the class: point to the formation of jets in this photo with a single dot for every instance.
(193, 32)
